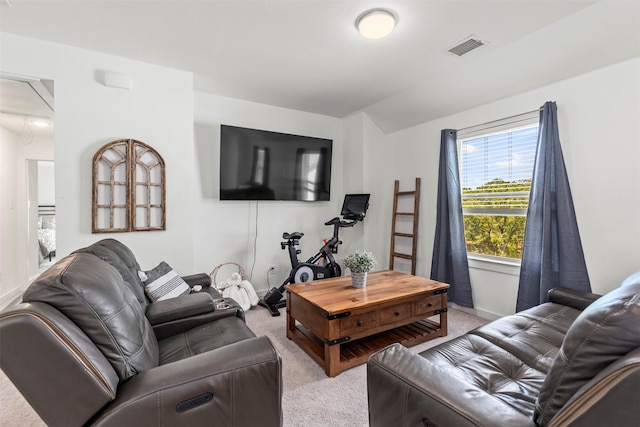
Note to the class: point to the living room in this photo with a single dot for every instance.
(189, 137)
(598, 118)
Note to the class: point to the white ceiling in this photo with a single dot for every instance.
(23, 101)
(307, 55)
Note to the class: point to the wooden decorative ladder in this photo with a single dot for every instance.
(403, 216)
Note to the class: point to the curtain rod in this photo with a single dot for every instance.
(499, 120)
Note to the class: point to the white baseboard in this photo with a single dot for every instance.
(476, 312)
(6, 298)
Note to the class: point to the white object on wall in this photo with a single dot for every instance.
(118, 80)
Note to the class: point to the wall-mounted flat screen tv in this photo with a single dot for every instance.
(263, 165)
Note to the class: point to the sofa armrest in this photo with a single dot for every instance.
(179, 324)
(202, 279)
(572, 298)
(54, 364)
(610, 398)
(406, 389)
(178, 308)
(238, 384)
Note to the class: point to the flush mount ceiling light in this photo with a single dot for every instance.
(37, 121)
(40, 123)
(376, 23)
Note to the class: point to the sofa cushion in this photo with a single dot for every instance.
(489, 370)
(162, 282)
(534, 335)
(223, 331)
(91, 293)
(123, 260)
(604, 332)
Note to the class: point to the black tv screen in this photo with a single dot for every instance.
(263, 165)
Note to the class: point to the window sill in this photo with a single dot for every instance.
(509, 266)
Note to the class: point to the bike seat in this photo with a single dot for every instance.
(295, 235)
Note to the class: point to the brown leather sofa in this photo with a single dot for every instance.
(81, 350)
(573, 361)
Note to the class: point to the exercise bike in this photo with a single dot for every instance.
(322, 264)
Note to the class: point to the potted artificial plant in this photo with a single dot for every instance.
(360, 263)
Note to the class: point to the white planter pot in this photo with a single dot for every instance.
(359, 280)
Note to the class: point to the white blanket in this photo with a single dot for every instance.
(240, 290)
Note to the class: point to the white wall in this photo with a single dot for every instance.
(600, 136)
(8, 212)
(157, 111)
(598, 127)
(358, 129)
(202, 232)
(46, 183)
(16, 255)
(366, 142)
(226, 230)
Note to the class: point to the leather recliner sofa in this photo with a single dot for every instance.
(573, 361)
(171, 315)
(81, 350)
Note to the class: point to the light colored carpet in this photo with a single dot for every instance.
(310, 398)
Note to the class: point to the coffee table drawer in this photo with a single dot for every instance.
(395, 313)
(429, 304)
(358, 322)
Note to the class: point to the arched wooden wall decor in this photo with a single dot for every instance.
(128, 188)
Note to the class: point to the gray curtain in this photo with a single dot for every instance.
(449, 263)
(552, 254)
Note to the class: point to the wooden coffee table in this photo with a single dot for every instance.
(340, 326)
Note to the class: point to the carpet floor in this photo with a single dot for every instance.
(310, 398)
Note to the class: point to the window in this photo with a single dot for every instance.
(260, 166)
(128, 188)
(495, 174)
(310, 165)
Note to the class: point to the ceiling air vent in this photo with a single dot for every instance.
(467, 45)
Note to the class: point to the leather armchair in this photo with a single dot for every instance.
(82, 351)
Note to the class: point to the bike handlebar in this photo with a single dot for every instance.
(340, 223)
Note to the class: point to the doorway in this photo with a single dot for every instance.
(27, 138)
(42, 213)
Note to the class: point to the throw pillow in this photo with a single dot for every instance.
(162, 282)
(48, 222)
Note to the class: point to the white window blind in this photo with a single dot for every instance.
(496, 170)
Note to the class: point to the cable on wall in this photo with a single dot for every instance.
(255, 242)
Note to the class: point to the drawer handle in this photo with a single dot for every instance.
(360, 323)
(429, 305)
(397, 313)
